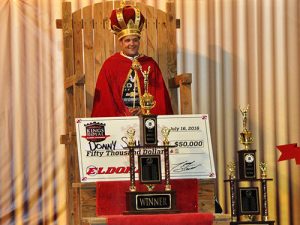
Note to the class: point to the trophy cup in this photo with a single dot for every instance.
(150, 201)
(246, 157)
(245, 199)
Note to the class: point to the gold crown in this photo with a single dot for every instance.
(126, 20)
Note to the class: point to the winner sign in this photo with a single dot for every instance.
(103, 153)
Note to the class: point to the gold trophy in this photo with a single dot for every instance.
(246, 157)
(147, 100)
(244, 199)
(245, 136)
(165, 131)
(151, 201)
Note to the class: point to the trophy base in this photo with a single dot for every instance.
(156, 202)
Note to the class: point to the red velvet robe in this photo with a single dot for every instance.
(108, 100)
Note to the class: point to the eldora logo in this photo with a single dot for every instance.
(93, 170)
(95, 132)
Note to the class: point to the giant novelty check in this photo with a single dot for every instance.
(103, 155)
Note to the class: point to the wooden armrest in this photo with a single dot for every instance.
(84, 185)
(67, 138)
(179, 80)
(94, 220)
(78, 79)
(183, 82)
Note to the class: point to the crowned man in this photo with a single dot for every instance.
(120, 83)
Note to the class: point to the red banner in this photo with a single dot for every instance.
(289, 151)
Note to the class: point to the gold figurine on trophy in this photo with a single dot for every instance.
(130, 135)
(263, 169)
(246, 138)
(147, 100)
(165, 131)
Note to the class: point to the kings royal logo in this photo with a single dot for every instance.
(95, 132)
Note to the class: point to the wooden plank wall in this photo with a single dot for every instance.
(172, 52)
(162, 51)
(99, 44)
(89, 59)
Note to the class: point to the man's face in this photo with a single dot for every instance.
(130, 45)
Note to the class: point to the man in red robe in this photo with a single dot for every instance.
(120, 83)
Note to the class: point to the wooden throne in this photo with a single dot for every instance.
(87, 42)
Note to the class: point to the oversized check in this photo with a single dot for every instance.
(103, 154)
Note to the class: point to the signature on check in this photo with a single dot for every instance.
(184, 166)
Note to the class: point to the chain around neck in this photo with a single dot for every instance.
(129, 57)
